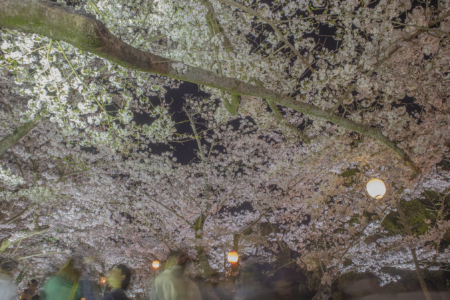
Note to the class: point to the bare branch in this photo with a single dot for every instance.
(8, 241)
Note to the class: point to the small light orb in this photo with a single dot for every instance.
(155, 264)
(102, 280)
(376, 188)
(233, 257)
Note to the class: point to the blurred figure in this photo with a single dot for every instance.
(87, 281)
(8, 290)
(172, 284)
(64, 285)
(119, 279)
(29, 293)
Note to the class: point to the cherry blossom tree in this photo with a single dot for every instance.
(307, 100)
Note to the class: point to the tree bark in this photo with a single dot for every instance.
(60, 23)
(413, 252)
(21, 131)
(201, 253)
(6, 242)
(204, 263)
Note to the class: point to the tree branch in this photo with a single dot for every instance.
(215, 26)
(3, 216)
(17, 216)
(41, 254)
(169, 209)
(70, 174)
(281, 120)
(234, 106)
(6, 242)
(21, 131)
(92, 36)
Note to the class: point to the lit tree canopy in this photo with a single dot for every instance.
(301, 103)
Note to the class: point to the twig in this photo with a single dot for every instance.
(41, 254)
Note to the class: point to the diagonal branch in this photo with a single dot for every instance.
(15, 218)
(214, 25)
(92, 36)
(8, 241)
(73, 173)
(201, 153)
(41, 254)
(169, 209)
(3, 216)
(281, 120)
(21, 131)
(216, 28)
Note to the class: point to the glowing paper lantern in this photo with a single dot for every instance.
(376, 188)
(102, 280)
(233, 257)
(155, 264)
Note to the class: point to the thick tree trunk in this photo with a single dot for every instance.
(59, 23)
(201, 253)
(413, 252)
(11, 139)
(204, 263)
(420, 275)
(6, 242)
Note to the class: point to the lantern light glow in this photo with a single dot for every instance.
(102, 280)
(233, 257)
(155, 264)
(376, 188)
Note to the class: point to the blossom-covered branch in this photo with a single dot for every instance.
(91, 35)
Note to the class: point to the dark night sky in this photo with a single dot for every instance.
(184, 152)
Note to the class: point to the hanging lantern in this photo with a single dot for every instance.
(233, 257)
(102, 280)
(376, 188)
(155, 264)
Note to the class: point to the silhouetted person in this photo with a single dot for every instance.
(8, 290)
(87, 280)
(119, 279)
(65, 284)
(173, 285)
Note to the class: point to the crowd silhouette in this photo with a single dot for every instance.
(74, 282)
(77, 280)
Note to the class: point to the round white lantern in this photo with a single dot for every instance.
(376, 188)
